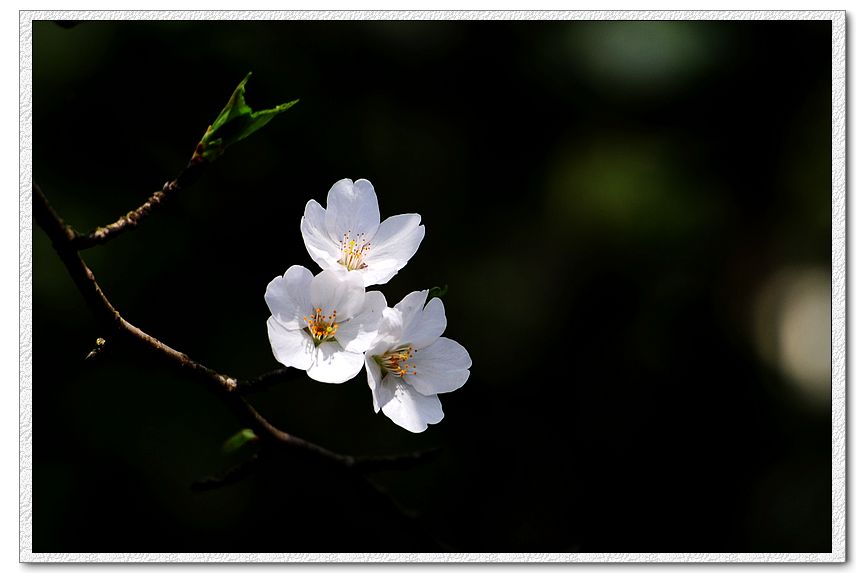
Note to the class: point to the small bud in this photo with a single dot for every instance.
(438, 292)
(235, 122)
(100, 343)
(238, 440)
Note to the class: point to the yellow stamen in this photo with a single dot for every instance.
(354, 251)
(394, 361)
(321, 328)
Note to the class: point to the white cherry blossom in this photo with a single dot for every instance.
(322, 324)
(409, 364)
(348, 234)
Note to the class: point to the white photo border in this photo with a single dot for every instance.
(839, 279)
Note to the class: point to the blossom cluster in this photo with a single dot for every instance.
(329, 325)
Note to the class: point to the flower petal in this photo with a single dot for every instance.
(396, 241)
(427, 326)
(380, 394)
(321, 247)
(287, 296)
(337, 290)
(410, 306)
(352, 210)
(332, 364)
(293, 348)
(408, 408)
(358, 333)
(441, 367)
(389, 332)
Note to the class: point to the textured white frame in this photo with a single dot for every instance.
(839, 278)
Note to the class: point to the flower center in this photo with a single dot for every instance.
(354, 250)
(321, 328)
(396, 361)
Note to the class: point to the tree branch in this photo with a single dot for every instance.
(264, 381)
(130, 220)
(64, 238)
(395, 462)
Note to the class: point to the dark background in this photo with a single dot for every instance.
(633, 219)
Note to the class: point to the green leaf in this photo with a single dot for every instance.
(238, 440)
(235, 122)
(438, 292)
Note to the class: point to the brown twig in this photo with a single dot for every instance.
(227, 387)
(264, 381)
(394, 462)
(131, 219)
